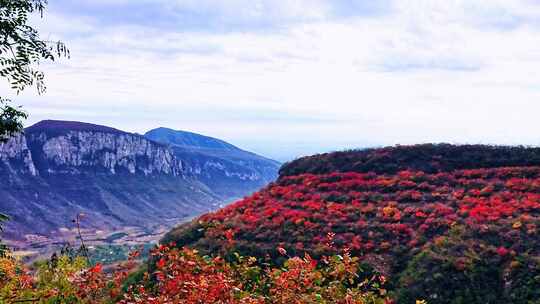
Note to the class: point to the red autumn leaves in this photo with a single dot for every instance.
(377, 213)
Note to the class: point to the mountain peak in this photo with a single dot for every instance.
(187, 139)
(63, 125)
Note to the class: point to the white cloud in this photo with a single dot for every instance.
(461, 71)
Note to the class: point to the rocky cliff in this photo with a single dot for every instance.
(100, 149)
(15, 157)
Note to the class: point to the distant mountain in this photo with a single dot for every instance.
(189, 140)
(226, 169)
(59, 169)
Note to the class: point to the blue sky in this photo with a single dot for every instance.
(290, 78)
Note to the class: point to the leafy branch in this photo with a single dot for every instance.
(21, 48)
(11, 119)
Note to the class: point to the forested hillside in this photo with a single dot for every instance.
(450, 233)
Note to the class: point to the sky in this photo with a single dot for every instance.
(298, 77)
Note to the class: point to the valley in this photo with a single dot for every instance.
(35, 247)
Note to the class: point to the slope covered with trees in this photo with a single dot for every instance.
(448, 224)
(429, 158)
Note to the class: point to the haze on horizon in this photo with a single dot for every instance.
(290, 78)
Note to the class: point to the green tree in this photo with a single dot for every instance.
(21, 52)
(11, 120)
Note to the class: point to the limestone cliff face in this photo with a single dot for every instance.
(16, 157)
(115, 153)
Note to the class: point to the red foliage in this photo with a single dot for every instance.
(502, 251)
(366, 210)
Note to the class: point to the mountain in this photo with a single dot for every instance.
(448, 224)
(228, 170)
(118, 180)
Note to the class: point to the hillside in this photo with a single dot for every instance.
(228, 170)
(449, 224)
(189, 140)
(119, 180)
(429, 158)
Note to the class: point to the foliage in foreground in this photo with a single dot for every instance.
(183, 276)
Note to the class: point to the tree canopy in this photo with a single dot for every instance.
(11, 120)
(21, 52)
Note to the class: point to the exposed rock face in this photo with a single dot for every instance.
(111, 152)
(16, 157)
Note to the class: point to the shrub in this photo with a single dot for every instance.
(184, 276)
